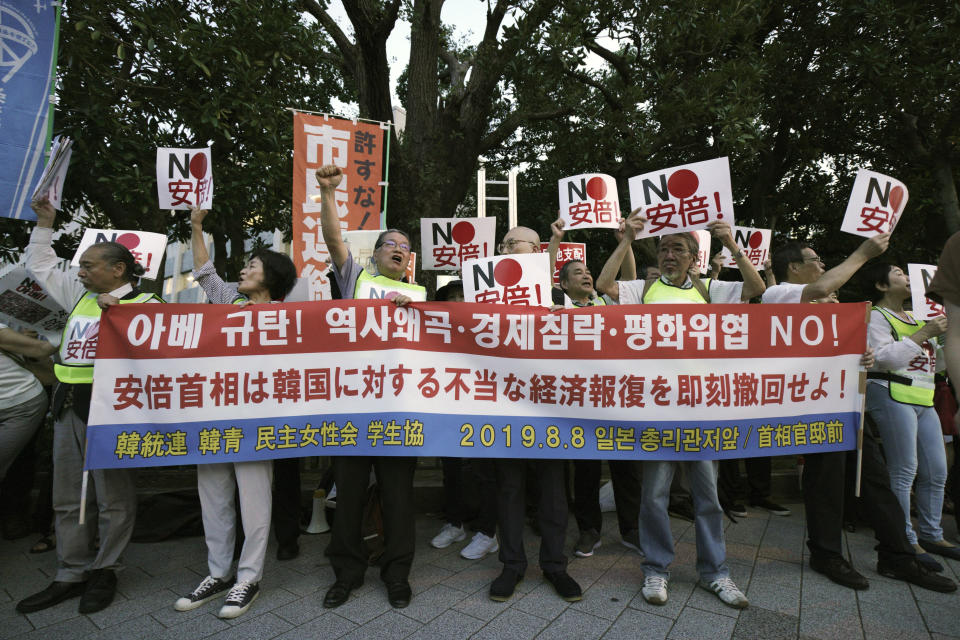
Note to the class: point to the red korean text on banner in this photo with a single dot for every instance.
(358, 149)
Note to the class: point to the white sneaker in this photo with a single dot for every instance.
(239, 599)
(655, 590)
(447, 536)
(481, 545)
(728, 592)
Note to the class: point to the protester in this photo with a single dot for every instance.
(803, 279)
(267, 277)
(106, 270)
(900, 390)
(458, 474)
(945, 289)
(352, 473)
(677, 254)
(551, 499)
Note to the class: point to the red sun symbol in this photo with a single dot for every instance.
(755, 240)
(596, 188)
(896, 198)
(198, 166)
(507, 272)
(129, 240)
(683, 183)
(390, 295)
(463, 232)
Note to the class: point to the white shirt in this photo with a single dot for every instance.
(721, 291)
(17, 385)
(891, 354)
(783, 293)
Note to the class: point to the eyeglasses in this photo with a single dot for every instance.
(510, 244)
(814, 259)
(393, 244)
(675, 251)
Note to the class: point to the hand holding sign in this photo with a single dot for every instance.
(46, 214)
(920, 276)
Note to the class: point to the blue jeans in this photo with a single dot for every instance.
(913, 445)
(656, 539)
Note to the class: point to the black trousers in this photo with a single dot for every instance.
(730, 482)
(823, 497)
(464, 478)
(551, 513)
(395, 480)
(286, 501)
(625, 476)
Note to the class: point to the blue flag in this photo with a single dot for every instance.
(27, 43)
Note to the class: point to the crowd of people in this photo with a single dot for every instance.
(904, 459)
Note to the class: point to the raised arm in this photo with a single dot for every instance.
(752, 282)
(607, 280)
(42, 261)
(328, 177)
(16, 342)
(768, 275)
(556, 237)
(200, 254)
(835, 278)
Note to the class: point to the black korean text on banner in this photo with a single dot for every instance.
(683, 198)
(920, 276)
(184, 178)
(147, 248)
(589, 201)
(754, 243)
(447, 242)
(876, 204)
(566, 252)
(522, 280)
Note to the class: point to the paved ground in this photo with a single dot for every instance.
(787, 600)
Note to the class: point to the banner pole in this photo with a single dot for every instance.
(53, 77)
(863, 409)
(386, 179)
(83, 497)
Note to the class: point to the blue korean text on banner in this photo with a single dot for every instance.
(28, 43)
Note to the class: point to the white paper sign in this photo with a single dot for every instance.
(683, 198)
(447, 242)
(184, 178)
(754, 243)
(25, 303)
(55, 171)
(361, 245)
(147, 248)
(876, 204)
(920, 276)
(589, 201)
(521, 279)
(372, 290)
(703, 253)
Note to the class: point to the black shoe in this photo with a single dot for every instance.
(99, 591)
(769, 505)
(928, 562)
(288, 551)
(840, 571)
(951, 551)
(565, 586)
(913, 572)
(207, 590)
(736, 509)
(56, 593)
(241, 596)
(338, 594)
(503, 587)
(399, 594)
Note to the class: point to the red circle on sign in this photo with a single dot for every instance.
(463, 232)
(129, 240)
(507, 272)
(198, 166)
(683, 183)
(596, 188)
(755, 240)
(896, 198)
(390, 295)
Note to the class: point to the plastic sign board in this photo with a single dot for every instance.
(920, 276)
(447, 242)
(589, 201)
(684, 198)
(184, 178)
(754, 243)
(519, 279)
(876, 204)
(147, 248)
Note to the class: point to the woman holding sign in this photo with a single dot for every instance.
(268, 277)
(352, 473)
(900, 400)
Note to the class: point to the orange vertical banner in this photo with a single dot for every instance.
(358, 149)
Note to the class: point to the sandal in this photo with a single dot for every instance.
(44, 544)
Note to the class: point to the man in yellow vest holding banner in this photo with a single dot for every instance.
(676, 254)
(106, 270)
(352, 473)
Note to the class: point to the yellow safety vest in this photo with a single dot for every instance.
(78, 342)
(658, 292)
(372, 287)
(906, 386)
(596, 301)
